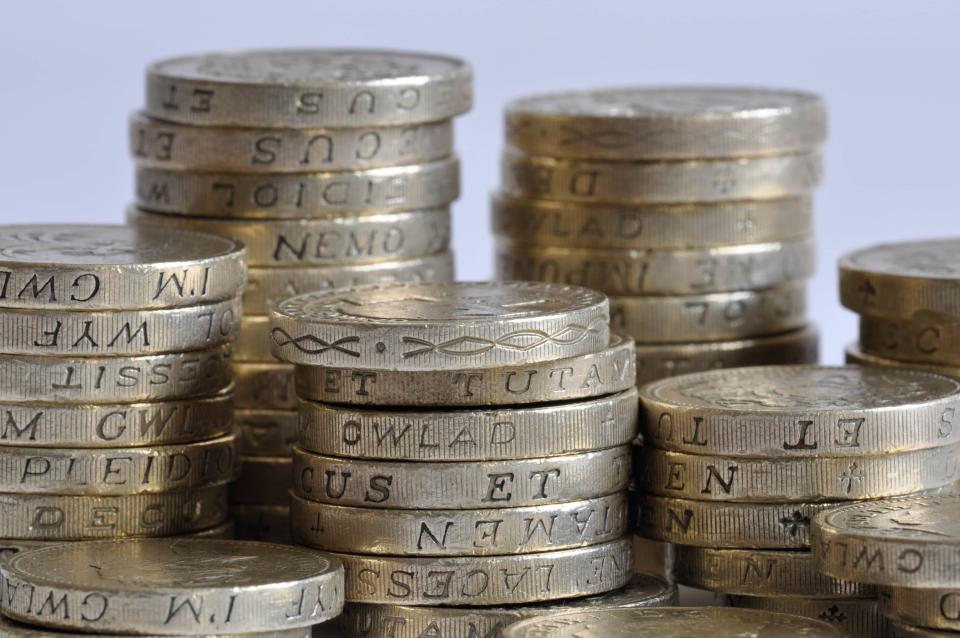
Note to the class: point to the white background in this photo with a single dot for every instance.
(70, 72)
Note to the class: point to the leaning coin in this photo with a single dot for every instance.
(595, 374)
(856, 617)
(114, 268)
(676, 182)
(926, 337)
(896, 280)
(812, 411)
(764, 572)
(670, 622)
(118, 333)
(117, 471)
(408, 621)
(900, 630)
(241, 195)
(263, 480)
(935, 608)
(689, 271)
(266, 432)
(720, 524)
(486, 532)
(487, 580)
(268, 286)
(58, 517)
(440, 326)
(469, 435)
(657, 361)
(854, 354)
(187, 586)
(675, 122)
(112, 380)
(306, 88)
(269, 523)
(455, 485)
(284, 150)
(11, 629)
(797, 479)
(325, 241)
(541, 222)
(116, 424)
(900, 542)
(264, 386)
(710, 317)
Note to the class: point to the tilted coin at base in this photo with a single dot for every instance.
(187, 586)
(111, 380)
(266, 432)
(670, 622)
(854, 354)
(270, 523)
(459, 485)
(896, 280)
(88, 267)
(936, 608)
(408, 621)
(470, 435)
(263, 480)
(486, 532)
(801, 411)
(440, 326)
(671, 122)
(657, 361)
(926, 337)
(857, 618)
(264, 386)
(761, 572)
(12, 629)
(900, 630)
(487, 580)
(901, 542)
(605, 372)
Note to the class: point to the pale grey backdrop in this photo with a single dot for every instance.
(71, 71)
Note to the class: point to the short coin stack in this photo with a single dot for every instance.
(907, 298)
(690, 206)
(169, 587)
(115, 382)
(736, 463)
(461, 445)
(909, 547)
(334, 168)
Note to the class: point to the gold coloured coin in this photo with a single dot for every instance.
(263, 480)
(927, 337)
(934, 608)
(264, 386)
(253, 342)
(266, 432)
(854, 354)
(268, 523)
(857, 618)
(901, 630)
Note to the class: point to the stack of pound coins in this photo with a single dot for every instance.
(462, 446)
(115, 382)
(736, 463)
(169, 587)
(907, 298)
(907, 547)
(334, 168)
(690, 206)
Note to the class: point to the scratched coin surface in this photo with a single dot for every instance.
(780, 411)
(92, 267)
(304, 88)
(183, 586)
(440, 326)
(902, 542)
(671, 122)
(671, 622)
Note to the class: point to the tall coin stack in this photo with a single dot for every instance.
(736, 464)
(462, 445)
(690, 206)
(115, 382)
(334, 168)
(907, 297)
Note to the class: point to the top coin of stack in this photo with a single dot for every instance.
(334, 168)
(115, 380)
(690, 206)
(907, 298)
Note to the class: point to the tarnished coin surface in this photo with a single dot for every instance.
(79, 267)
(670, 122)
(926, 337)
(307, 88)
(856, 617)
(12, 629)
(188, 586)
(935, 608)
(813, 411)
(440, 326)
(263, 480)
(596, 374)
(469, 435)
(671, 622)
(903, 542)
(897, 280)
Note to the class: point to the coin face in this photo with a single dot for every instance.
(934, 259)
(931, 520)
(670, 622)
